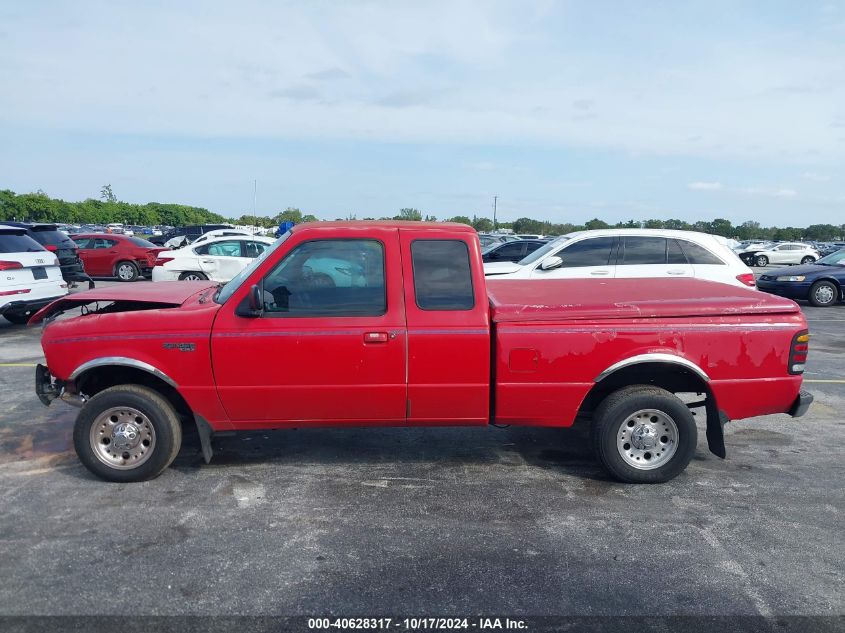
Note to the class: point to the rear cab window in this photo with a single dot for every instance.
(442, 275)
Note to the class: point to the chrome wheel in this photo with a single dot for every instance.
(824, 294)
(122, 438)
(126, 272)
(647, 439)
(191, 277)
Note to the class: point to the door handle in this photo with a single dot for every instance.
(208, 261)
(677, 272)
(375, 337)
(599, 273)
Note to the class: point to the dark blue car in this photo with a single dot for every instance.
(820, 283)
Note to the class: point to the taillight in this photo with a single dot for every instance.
(748, 279)
(798, 352)
(161, 261)
(51, 247)
(10, 265)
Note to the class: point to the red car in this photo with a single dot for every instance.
(393, 324)
(112, 255)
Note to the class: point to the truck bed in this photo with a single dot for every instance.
(590, 299)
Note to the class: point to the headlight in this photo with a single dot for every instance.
(791, 278)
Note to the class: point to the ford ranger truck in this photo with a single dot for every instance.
(349, 324)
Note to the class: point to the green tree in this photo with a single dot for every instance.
(291, 214)
(482, 225)
(409, 214)
(595, 223)
(460, 219)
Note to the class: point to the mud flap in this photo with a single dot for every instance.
(205, 432)
(716, 420)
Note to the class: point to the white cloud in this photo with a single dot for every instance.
(434, 72)
(814, 177)
(704, 186)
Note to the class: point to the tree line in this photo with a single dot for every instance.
(39, 207)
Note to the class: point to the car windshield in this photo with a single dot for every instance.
(540, 253)
(228, 290)
(834, 259)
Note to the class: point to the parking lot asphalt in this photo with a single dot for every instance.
(440, 521)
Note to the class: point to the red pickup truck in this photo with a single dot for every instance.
(392, 324)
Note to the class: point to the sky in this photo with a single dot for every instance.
(565, 110)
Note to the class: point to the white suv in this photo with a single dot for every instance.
(30, 276)
(630, 253)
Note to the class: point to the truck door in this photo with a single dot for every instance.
(329, 347)
(448, 328)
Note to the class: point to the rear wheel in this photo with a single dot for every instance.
(127, 433)
(127, 271)
(192, 275)
(809, 259)
(761, 261)
(822, 294)
(644, 434)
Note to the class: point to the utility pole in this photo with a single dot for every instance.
(495, 199)
(254, 199)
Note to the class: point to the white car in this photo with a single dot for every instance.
(784, 253)
(630, 253)
(217, 259)
(30, 276)
(181, 241)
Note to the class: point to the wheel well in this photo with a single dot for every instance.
(835, 282)
(97, 379)
(669, 376)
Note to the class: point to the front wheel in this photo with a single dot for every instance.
(822, 294)
(127, 271)
(644, 434)
(761, 261)
(809, 259)
(192, 275)
(127, 433)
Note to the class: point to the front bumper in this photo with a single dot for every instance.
(801, 404)
(27, 307)
(788, 289)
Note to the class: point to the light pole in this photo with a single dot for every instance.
(495, 199)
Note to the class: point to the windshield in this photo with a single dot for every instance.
(229, 289)
(540, 253)
(834, 259)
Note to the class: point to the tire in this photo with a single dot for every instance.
(192, 275)
(18, 318)
(809, 259)
(822, 294)
(127, 271)
(132, 415)
(761, 261)
(653, 418)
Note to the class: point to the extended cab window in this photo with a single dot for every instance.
(698, 254)
(442, 275)
(591, 252)
(328, 278)
(643, 250)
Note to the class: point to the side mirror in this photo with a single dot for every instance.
(550, 263)
(253, 304)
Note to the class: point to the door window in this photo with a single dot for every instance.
(84, 242)
(104, 243)
(252, 249)
(328, 278)
(220, 249)
(674, 254)
(442, 275)
(698, 254)
(591, 252)
(508, 251)
(643, 250)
